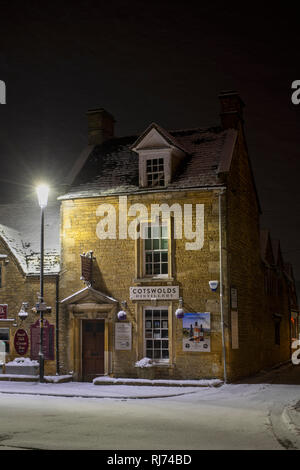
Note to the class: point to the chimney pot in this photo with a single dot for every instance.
(100, 126)
(231, 109)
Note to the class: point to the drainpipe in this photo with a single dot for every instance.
(57, 325)
(221, 285)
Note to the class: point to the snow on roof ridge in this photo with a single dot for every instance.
(25, 256)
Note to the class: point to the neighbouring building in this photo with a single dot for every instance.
(151, 222)
(20, 281)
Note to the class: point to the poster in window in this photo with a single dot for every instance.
(196, 332)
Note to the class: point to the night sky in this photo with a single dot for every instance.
(150, 61)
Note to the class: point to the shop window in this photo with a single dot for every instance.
(4, 336)
(156, 330)
(156, 250)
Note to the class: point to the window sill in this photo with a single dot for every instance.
(153, 279)
(162, 364)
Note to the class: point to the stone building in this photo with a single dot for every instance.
(159, 218)
(20, 280)
(154, 257)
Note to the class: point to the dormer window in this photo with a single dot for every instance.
(155, 172)
(159, 157)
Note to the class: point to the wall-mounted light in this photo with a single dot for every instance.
(122, 315)
(22, 313)
(180, 312)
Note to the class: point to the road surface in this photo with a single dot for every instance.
(247, 415)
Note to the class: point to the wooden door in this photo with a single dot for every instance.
(92, 349)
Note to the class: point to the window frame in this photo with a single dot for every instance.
(140, 268)
(158, 361)
(7, 342)
(146, 226)
(150, 159)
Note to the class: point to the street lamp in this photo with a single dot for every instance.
(42, 193)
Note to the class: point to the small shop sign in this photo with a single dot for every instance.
(21, 342)
(123, 335)
(154, 292)
(87, 267)
(3, 311)
(48, 341)
(233, 298)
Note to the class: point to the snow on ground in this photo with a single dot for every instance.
(82, 389)
(228, 417)
(251, 414)
(158, 382)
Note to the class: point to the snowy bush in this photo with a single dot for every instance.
(145, 362)
(22, 361)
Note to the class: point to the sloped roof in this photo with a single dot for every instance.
(277, 253)
(168, 137)
(266, 248)
(112, 168)
(20, 230)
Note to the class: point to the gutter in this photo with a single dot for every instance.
(57, 323)
(69, 197)
(221, 285)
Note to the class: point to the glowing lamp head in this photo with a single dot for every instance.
(179, 313)
(42, 193)
(122, 315)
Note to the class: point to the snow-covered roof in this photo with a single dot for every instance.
(20, 230)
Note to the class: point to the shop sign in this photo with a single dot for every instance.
(123, 336)
(48, 341)
(3, 311)
(233, 297)
(196, 332)
(154, 292)
(234, 330)
(21, 342)
(87, 267)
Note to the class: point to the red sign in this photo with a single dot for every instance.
(48, 341)
(3, 311)
(21, 342)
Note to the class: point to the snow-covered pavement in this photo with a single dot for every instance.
(259, 413)
(89, 390)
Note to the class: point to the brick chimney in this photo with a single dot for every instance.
(231, 109)
(100, 126)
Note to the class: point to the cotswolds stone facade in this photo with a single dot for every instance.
(208, 168)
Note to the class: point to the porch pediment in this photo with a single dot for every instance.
(90, 302)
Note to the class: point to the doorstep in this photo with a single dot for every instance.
(158, 383)
(18, 378)
(35, 378)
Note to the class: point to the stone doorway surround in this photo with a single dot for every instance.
(89, 304)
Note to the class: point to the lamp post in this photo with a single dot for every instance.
(42, 193)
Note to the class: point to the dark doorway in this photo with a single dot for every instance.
(92, 349)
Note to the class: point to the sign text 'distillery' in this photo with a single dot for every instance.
(154, 292)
